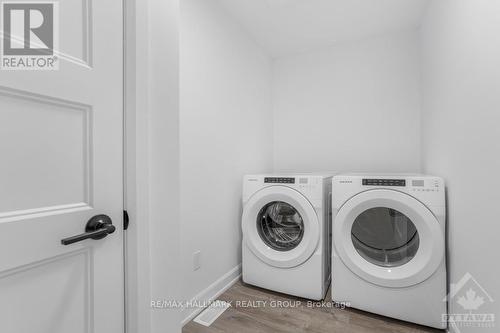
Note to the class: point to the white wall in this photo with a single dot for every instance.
(352, 107)
(461, 136)
(226, 132)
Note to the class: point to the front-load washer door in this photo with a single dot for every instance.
(280, 226)
(388, 238)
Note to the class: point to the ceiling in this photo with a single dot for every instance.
(291, 26)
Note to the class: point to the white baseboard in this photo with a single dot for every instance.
(210, 293)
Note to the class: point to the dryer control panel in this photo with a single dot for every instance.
(383, 182)
(428, 189)
(426, 185)
(279, 180)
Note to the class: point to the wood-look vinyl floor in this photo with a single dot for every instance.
(241, 318)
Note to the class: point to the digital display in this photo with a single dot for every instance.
(279, 180)
(384, 182)
(417, 182)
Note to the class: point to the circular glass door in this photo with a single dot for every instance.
(388, 238)
(280, 226)
(385, 237)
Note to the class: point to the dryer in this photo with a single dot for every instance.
(286, 233)
(389, 246)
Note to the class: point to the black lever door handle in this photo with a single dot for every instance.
(97, 227)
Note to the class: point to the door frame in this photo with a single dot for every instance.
(151, 163)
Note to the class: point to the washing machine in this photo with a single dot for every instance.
(389, 246)
(286, 225)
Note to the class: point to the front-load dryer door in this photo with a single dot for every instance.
(280, 226)
(388, 238)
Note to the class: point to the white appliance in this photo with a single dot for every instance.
(286, 233)
(389, 246)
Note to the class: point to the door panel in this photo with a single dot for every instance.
(77, 43)
(61, 149)
(64, 279)
(52, 135)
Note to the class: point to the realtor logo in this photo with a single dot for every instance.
(473, 305)
(30, 35)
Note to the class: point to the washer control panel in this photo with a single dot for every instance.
(279, 180)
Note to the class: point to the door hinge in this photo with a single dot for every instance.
(125, 220)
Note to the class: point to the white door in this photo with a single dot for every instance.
(388, 238)
(61, 164)
(280, 226)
